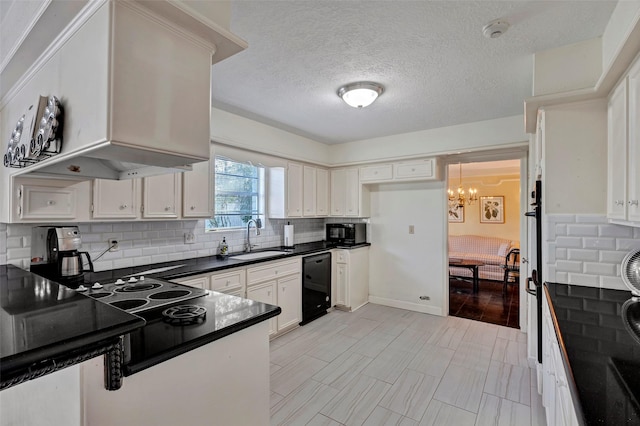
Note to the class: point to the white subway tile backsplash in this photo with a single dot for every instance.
(600, 268)
(596, 261)
(569, 266)
(618, 231)
(569, 242)
(599, 243)
(101, 227)
(580, 254)
(582, 230)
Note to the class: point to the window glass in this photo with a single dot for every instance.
(238, 194)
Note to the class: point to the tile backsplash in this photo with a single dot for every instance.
(586, 250)
(152, 242)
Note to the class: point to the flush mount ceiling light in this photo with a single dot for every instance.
(361, 94)
(495, 28)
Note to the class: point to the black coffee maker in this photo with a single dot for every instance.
(61, 261)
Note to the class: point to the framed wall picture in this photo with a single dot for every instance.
(492, 209)
(456, 214)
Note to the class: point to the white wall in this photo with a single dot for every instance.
(501, 132)
(624, 17)
(231, 129)
(405, 266)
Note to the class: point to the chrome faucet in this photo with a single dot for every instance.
(258, 223)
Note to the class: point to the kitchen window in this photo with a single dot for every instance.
(239, 194)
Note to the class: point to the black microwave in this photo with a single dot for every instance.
(347, 234)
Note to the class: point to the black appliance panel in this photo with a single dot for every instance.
(347, 234)
(316, 286)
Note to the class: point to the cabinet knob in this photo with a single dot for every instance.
(413, 170)
(123, 206)
(193, 207)
(375, 173)
(51, 203)
(619, 203)
(633, 202)
(167, 208)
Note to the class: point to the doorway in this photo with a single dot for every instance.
(484, 232)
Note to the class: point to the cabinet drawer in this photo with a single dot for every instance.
(200, 282)
(342, 256)
(227, 282)
(376, 173)
(272, 271)
(411, 170)
(45, 202)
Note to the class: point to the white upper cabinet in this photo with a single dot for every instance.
(161, 196)
(348, 196)
(294, 190)
(197, 197)
(116, 199)
(309, 191)
(623, 153)
(322, 192)
(414, 170)
(37, 200)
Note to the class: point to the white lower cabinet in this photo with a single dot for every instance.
(351, 278)
(556, 395)
(278, 283)
(200, 281)
(229, 282)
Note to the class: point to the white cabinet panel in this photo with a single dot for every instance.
(161, 196)
(322, 192)
(424, 169)
(35, 199)
(197, 194)
(273, 270)
(199, 282)
(617, 154)
(376, 173)
(115, 199)
(633, 200)
(265, 293)
(351, 278)
(352, 193)
(294, 190)
(309, 191)
(338, 192)
(290, 301)
(229, 281)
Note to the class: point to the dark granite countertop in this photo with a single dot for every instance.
(202, 265)
(41, 320)
(159, 341)
(601, 355)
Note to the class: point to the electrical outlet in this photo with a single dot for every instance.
(412, 229)
(425, 298)
(189, 238)
(113, 245)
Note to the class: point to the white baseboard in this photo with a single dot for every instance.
(406, 305)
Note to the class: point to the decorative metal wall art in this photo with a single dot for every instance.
(37, 135)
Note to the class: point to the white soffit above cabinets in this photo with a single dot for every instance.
(437, 67)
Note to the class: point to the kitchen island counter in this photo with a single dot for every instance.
(42, 322)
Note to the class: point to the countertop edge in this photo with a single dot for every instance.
(131, 369)
(573, 389)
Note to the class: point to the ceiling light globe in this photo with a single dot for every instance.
(360, 95)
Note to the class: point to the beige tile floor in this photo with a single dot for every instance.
(388, 366)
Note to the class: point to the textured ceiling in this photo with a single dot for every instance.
(431, 56)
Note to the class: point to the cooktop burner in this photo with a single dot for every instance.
(184, 314)
(140, 294)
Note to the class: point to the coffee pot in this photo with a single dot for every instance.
(63, 251)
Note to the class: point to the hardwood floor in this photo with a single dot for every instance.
(488, 305)
(386, 366)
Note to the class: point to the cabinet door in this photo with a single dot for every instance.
(294, 190)
(617, 154)
(634, 144)
(414, 170)
(161, 196)
(309, 191)
(352, 193)
(322, 192)
(115, 199)
(342, 284)
(338, 192)
(290, 301)
(265, 293)
(196, 190)
(43, 202)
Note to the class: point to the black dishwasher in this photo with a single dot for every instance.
(316, 286)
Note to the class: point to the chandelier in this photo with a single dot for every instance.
(458, 198)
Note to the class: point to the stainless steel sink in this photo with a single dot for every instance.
(258, 255)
